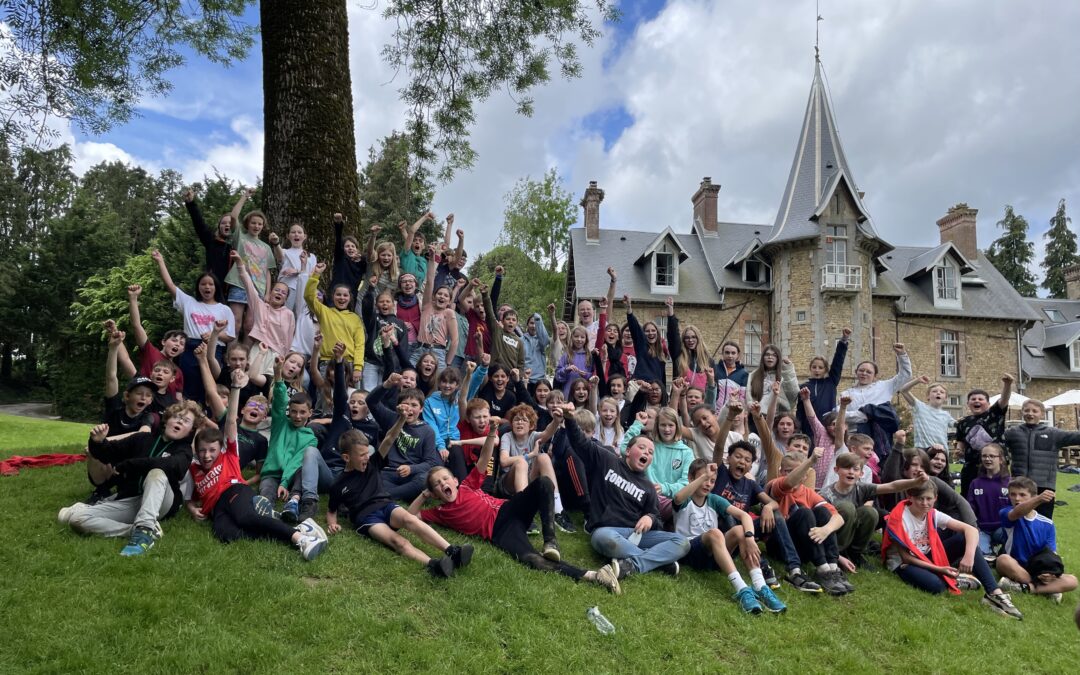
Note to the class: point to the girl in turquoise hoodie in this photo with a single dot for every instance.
(669, 470)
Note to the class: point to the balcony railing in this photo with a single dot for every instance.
(842, 278)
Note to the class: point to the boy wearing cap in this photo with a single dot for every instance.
(124, 413)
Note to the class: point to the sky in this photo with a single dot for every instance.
(936, 103)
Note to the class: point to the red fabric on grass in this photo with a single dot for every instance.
(11, 466)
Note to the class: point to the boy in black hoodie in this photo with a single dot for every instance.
(624, 510)
(413, 454)
(148, 468)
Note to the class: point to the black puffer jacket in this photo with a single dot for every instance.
(1034, 451)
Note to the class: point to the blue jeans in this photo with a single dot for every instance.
(778, 542)
(931, 582)
(655, 549)
(438, 352)
(315, 475)
(987, 540)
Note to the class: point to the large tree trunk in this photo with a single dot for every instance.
(309, 157)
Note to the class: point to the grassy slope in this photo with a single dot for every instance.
(72, 604)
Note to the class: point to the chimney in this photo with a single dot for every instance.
(958, 226)
(704, 201)
(1072, 281)
(591, 203)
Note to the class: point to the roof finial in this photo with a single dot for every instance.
(817, 31)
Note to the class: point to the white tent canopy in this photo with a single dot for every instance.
(1071, 397)
(1015, 400)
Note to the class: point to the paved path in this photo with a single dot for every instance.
(38, 410)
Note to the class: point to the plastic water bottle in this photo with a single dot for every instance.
(600, 621)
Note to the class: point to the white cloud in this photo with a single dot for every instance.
(936, 103)
(90, 153)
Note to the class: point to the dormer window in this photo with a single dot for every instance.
(665, 272)
(947, 285)
(755, 271)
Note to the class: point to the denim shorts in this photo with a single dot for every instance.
(237, 295)
(380, 516)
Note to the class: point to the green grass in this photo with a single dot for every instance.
(72, 604)
(28, 435)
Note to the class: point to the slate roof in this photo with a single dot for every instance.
(924, 262)
(816, 172)
(996, 299)
(1050, 340)
(702, 276)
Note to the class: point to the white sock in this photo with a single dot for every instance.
(558, 503)
(736, 581)
(757, 579)
(295, 498)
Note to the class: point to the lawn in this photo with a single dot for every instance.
(72, 604)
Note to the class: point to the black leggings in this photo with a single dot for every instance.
(799, 523)
(516, 517)
(235, 518)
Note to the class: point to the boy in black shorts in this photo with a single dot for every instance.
(375, 515)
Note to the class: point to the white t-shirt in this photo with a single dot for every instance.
(917, 534)
(831, 478)
(199, 317)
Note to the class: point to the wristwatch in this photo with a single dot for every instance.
(749, 535)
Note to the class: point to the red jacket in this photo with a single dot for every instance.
(895, 534)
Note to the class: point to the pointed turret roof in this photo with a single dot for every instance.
(816, 173)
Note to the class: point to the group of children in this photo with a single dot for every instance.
(399, 381)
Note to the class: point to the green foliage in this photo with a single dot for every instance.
(457, 54)
(1012, 254)
(526, 286)
(1060, 252)
(92, 61)
(374, 611)
(538, 217)
(395, 186)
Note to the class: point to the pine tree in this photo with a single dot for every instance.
(1012, 254)
(1060, 252)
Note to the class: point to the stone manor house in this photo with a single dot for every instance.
(821, 266)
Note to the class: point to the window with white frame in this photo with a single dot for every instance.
(752, 340)
(1074, 356)
(665, 277)
(946, 285)
(1054, 315)
(949, 341)
(836, 245)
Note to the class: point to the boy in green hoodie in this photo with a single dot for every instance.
(289, 438)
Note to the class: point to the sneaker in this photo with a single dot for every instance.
(748, 601)
(65, 514)
(844, 581)
(1002, 604)
(441, 567)
(311, 546)
(608, 578)
(671, 569)
(769, 600)
(309, 528)
(966, 582)
(460, 555)
(1055, 598)
(799, 581)
(830, 583)
(141, 541)
(990, 559)
(291, 513)
(263, 506)
(770, 576)
(563, 522)
(309, 508)
(1009, 586)
(534, 529)
(623, 567)
(551, 551)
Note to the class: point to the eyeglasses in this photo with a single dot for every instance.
(256, 406)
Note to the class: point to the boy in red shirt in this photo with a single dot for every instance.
(811, 520)
(504, 522)
(237, 512)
